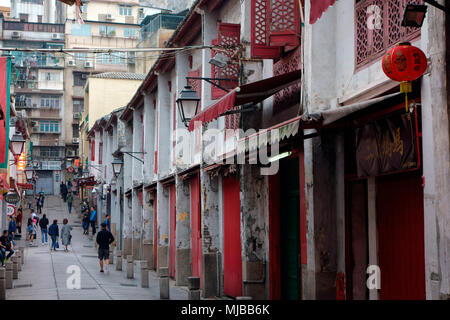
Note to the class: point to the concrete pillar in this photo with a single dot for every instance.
(144, 274)
(127, 227)
(147, 227)
(2, 283)
(194, 288)
(210, 233)
(163, 226)
(111, 255)
(149, 137)
(435, 37)
(15, 268)
(164, 288)
(254, 237)
(136, 225)
(130, 267)
(22, 254)
(119, 260)
(183, 232)
(9, 275)
(19, 260)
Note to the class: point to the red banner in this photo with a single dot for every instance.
(4, 110)
(25, 186)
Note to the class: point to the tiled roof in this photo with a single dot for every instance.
(119, 75)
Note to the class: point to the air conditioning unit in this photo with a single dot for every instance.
(16, 34)
(70, 153)
(35, 129)
(34, 105)
(88, 64)
(55, 36)
(71, 63)
(77, 115)
(76, 140)
(109, 16)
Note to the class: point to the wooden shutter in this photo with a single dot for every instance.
(228, 34)
(260, 23)
(93, 150)
(284, 23)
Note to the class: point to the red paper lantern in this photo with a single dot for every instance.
(404, 62)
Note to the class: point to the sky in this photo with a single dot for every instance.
(4, 3)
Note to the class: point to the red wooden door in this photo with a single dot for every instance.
(196, 239)
(401, 236)
(232, 237)
(155, 233)
(173, 225)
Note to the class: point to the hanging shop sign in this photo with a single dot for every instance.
(25, 186)
(70, 169)
(10, 210)
(387, 145)
(21, 162)
(12, 197)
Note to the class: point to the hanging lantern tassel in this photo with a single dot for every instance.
(406, 87)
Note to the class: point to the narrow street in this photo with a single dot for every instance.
(44, 277)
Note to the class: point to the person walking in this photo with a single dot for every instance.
(66, 237)
(86, 222)
(11, 228)
(104, 239)
(39, 203)
(53, 231)
(69, 201)
(32, 230)
(19, 220)
(6, 245)
(108, 222)
(63, 191)
(93, 219)
(43, 223)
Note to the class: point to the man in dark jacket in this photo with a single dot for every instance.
(104, 239)
(5, 245)
(11, 228)
(53, 231)
(43, 223)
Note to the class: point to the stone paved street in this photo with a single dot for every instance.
(43, 276)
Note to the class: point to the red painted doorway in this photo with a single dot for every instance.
(401, 236)
(232, 237)
(196, 234)
(173, 225)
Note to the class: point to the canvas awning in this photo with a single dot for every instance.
(249, 93)
(318, 7)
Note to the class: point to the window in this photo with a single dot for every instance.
(49, 126)
(125, 10)
(79, 78)
(129, 33)
(32, 1)
(107, 31)
(372, 42)
(78, 105)
(49, 152)
(23, 17)
(50, 76)
(80, 56)
(49, 101)
(75, 131)
(83, 30)
(23, 101)
(111, 58)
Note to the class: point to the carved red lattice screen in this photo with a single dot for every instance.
(378, 28)
(275, 24)
(228, 34)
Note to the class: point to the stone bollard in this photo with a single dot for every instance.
(111, 255)
(19, 260)
(15, 268)
(119, 260)
(144, 274)
(194, 288)
(9, 275)
(22, 254)
(130, 267)
(2, 284)
(164, 283)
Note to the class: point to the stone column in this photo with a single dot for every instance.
(194, 288)
(183, 234)
(127, 244)
(15, 268)
(147, 228)
(164, 286)
(2, 283)
(210, 233)
(163, 226)
(254, 237)
(136, 225)
(130, 267)
(144, 274)
(9, 275)
(119, 260)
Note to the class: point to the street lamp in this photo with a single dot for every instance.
(17, 143)
(29, 172)
(188, 102)
(414, 15)
(117, 166)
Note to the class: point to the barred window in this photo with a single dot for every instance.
(49, 101)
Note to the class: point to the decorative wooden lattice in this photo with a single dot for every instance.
(228, 36)
(378, 28)
(196, 84)
(275, 24)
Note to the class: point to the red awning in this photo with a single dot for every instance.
(317, 8)
(253, 92)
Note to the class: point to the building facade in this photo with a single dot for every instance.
(282, 191)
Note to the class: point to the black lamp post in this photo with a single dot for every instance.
(188, 102)
(29, 173)
(17, 143)
(117, 165)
